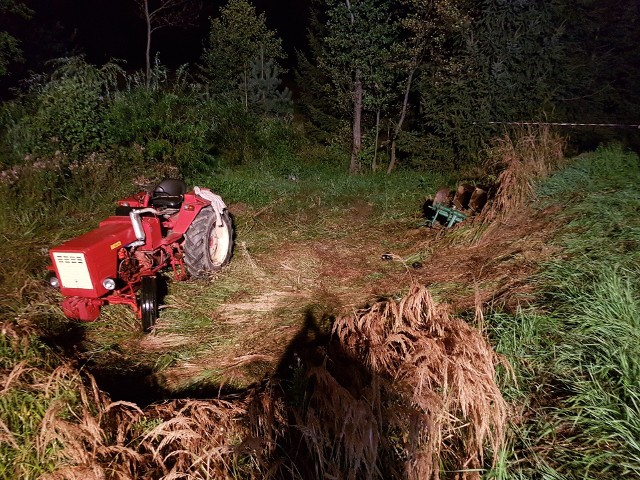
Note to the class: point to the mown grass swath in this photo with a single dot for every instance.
(399, 389)
(74, 431)
(425, 399)
(577, 352)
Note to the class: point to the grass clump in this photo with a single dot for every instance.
(522, 160)
(400, 389)
(56, 424)
(39, 394)
(406, 390)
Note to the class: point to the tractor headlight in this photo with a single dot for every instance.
(109, 283)
(53, 280)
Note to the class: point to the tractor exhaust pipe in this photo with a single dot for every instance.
(136, 223)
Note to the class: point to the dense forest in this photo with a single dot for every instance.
(352, 334)
(411, 83)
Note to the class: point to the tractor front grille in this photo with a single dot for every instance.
(73, 271)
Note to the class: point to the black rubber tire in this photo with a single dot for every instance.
(207, 246)
(149, 303)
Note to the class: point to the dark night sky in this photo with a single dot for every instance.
(104, 29)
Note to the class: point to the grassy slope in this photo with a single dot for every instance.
(577, 350)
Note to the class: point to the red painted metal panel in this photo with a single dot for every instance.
(153, 233)
(80, 308)
(99, 247)
(191, 206)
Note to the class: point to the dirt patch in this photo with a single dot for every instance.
(361, 211)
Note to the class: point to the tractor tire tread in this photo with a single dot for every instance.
(196, 244)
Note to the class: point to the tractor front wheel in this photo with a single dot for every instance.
(208, 242)
(149, 303)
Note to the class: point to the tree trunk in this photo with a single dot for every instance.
(403, 113)
(354, 167)
(392, 156)
(374, 164)
(147, 18)
(245, 86)
(356, 145)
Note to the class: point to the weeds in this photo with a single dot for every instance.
(415, 372)
(429, 401)
(56, 424)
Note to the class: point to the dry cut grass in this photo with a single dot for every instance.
(402, 389)
(405, 391)
(55, 424)
(521, 159)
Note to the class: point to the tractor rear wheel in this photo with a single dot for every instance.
(149, 303)
(208, 243)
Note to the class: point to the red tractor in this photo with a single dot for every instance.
(119, 262)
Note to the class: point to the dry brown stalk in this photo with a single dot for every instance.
(198, 435)
(88, 439)
(79, 473)
(404, 390)
(18, 370)
(7, 436)
(342, 431)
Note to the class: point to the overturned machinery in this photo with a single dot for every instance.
(450, 207)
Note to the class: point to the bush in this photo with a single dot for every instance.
(174, 126)
(196, 133)
(77, 110)
(64, 111)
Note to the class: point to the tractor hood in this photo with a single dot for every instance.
(83, 263)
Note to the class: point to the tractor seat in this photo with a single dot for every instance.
(169, 193)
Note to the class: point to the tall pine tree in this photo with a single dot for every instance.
(237, 38)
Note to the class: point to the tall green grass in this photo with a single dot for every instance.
(293, 184)
(577, 353)
(30, 391)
